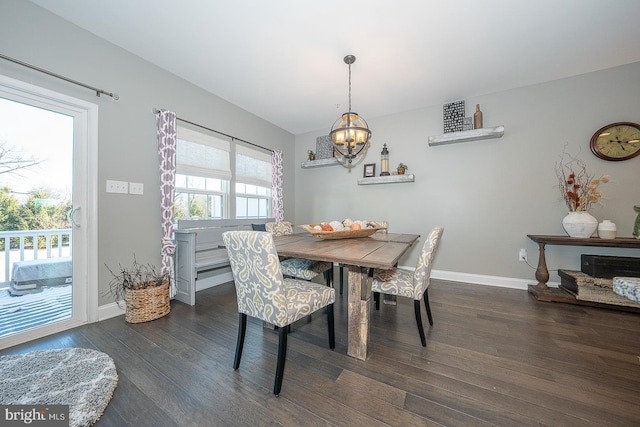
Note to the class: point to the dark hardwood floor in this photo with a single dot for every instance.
(494, 356)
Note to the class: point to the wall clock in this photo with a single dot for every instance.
(617, 141)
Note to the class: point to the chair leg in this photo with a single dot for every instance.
(242, 328)
(426, 304)
(341, 278)
(332, 335)
(327, 277)
(416, 305)
(282, 355)
(376, 299)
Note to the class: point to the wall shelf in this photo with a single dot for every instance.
(466, 135)
(332, 161)
(387, 179)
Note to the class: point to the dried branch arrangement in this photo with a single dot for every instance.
(138, 276)
(578, 189)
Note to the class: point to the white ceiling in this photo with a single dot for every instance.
(283, 59)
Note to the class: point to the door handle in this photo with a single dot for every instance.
(71, 217)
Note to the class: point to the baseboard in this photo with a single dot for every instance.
(480, 279)
(110, 310)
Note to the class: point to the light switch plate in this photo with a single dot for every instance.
(117, 186)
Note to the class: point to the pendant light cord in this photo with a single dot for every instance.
(349, 88)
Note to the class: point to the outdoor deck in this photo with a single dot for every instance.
(21, 313)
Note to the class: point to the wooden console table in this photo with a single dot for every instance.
(544, 293)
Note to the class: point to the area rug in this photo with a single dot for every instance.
(82, 378)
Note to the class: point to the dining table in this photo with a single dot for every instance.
(360, 256)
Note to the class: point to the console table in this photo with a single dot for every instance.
(544, 293)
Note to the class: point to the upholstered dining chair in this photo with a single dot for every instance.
(411, 284)
(262, 292)
(299, 268)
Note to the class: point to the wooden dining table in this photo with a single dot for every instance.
(360, 256)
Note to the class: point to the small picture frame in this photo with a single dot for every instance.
(369, 170)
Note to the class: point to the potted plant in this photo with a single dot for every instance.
(144, 289)
(401, 168)
(311, 154)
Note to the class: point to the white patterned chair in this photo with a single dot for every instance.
(262, 292)
(299, 268)
(409, 284)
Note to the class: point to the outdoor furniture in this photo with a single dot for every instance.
(29, 276)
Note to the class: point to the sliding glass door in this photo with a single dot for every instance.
(44, 194)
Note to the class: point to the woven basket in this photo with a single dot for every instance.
(147, 304)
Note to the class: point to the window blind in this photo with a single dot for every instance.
(253, 166)
(203, 155)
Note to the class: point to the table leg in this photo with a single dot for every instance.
(359, 311)
(542, 273)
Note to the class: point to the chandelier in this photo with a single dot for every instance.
(350, 134)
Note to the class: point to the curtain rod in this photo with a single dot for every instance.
(233, 138)
(33, 67)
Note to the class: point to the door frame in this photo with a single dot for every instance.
(85, 178)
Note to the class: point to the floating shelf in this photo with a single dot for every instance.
(387, 179)
(466, 135)
(332, 161)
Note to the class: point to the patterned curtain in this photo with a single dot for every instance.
(276, 185)
(166, 122)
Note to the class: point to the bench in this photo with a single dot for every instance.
(199, 248)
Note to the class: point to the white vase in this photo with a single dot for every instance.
(607, 229)
(580, 224)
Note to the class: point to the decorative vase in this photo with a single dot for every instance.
(477, 118)
(580, 224)
(607, 229)
(401, 171)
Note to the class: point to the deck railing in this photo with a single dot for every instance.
(26, 245)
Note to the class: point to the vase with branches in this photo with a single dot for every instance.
(579, 190)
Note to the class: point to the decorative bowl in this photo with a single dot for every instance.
(342, 234)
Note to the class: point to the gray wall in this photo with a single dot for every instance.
(488, 194)
(127, 134)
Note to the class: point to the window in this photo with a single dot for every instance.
(206, 187)
(253, 183)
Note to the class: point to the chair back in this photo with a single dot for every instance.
(422, 273)
(279, 228)
(256, 271)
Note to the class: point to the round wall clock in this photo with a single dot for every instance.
(617, 141)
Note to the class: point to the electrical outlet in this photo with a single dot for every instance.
(523, 255)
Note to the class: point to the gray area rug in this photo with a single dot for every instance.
(81, 378)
